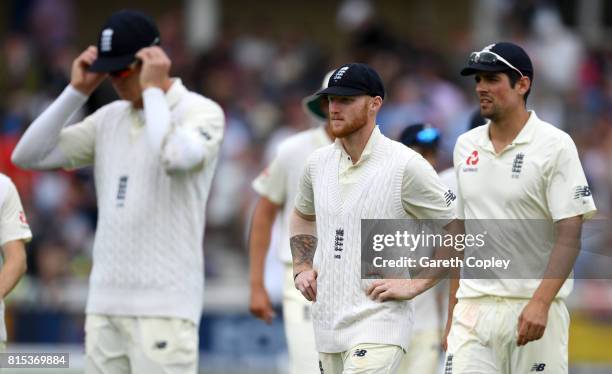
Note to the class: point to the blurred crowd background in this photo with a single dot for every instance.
(258, 60)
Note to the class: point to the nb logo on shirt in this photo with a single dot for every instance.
(360, 353)
(449, 196)
(204, 134)
(582, 191)
(538, 367)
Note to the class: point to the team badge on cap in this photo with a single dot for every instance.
(354, 79)
(340, 73)
(123, 34)
(106, 41)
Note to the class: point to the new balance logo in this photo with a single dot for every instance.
(582, 191)
(205, 134)
(517, 165)
(449, 197)
(106, 42)
(538, 367)
(360, 353)
(161, 344)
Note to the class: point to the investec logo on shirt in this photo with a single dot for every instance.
(471, 162)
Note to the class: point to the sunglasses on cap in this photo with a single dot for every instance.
(428, 135)
(125, 72)
(490, 58)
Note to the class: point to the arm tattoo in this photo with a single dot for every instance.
(303, 249)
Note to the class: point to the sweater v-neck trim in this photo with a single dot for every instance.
(342, 206)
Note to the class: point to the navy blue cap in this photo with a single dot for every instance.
(512, 53)
(353, 80)
(124, 33)
(420, 134)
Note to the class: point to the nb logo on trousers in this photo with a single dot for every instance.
(538, 367)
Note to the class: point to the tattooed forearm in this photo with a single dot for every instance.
(303, 249)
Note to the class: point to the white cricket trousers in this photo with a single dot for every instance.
(135, 345)
(483, 339)
(303, 355)
(364, 358)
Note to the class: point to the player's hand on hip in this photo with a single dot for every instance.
(532, 322)
(392, 289)
(81, 78)
(260, 305)
(155, 67)
(306, 283)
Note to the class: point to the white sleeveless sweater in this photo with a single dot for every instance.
(343, 315)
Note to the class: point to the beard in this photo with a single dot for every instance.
(490, 113)
(347, 128)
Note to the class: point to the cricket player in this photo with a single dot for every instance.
(153, 153)
(277, 186)
(14, 233)
(363, 174)
(516, 167)
(423, 354)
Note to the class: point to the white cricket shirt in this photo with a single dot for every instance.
(538, 176)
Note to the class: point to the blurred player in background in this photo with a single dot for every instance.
(362, 175)
(520, 168)
(14, 233)
(154, 153)
(277, 186)
(424, 350)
